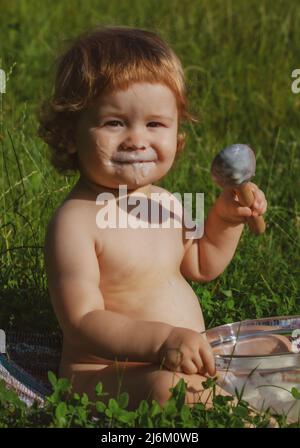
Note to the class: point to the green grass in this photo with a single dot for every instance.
(238, 58)
(63, 409)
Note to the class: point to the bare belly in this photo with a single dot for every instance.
(170, 300)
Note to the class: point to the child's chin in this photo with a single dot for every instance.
(137, 182)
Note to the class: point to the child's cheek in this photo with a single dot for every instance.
(167, 144)
(105, 144)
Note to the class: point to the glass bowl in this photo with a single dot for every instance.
(260, 359)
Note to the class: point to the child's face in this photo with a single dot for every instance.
(129, 136)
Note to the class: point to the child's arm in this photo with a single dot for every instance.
(74, 279)
(206, 258)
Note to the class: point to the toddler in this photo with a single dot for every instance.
(129, 317)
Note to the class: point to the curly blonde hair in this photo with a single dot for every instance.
(105, 59)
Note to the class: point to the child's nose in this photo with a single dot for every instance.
(135, 140)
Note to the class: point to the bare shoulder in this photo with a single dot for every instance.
(75, 218)
(70, 247)
(65, 220)
(70, 244)
(67, 229)
(69, 209)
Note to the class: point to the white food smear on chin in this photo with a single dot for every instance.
(116, 166)
(141, 169)
(146, 167)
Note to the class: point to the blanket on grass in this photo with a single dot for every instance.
(25, 359)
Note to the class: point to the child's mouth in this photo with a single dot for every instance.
(124, 157)
(133, 162)
(140, 168)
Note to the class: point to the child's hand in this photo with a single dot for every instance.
(229, 209)
(187, 351)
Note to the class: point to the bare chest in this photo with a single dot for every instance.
(132, 256)
(138, 255)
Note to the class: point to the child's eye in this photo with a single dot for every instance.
(114, 123)
(154, 124)
(117, 123)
